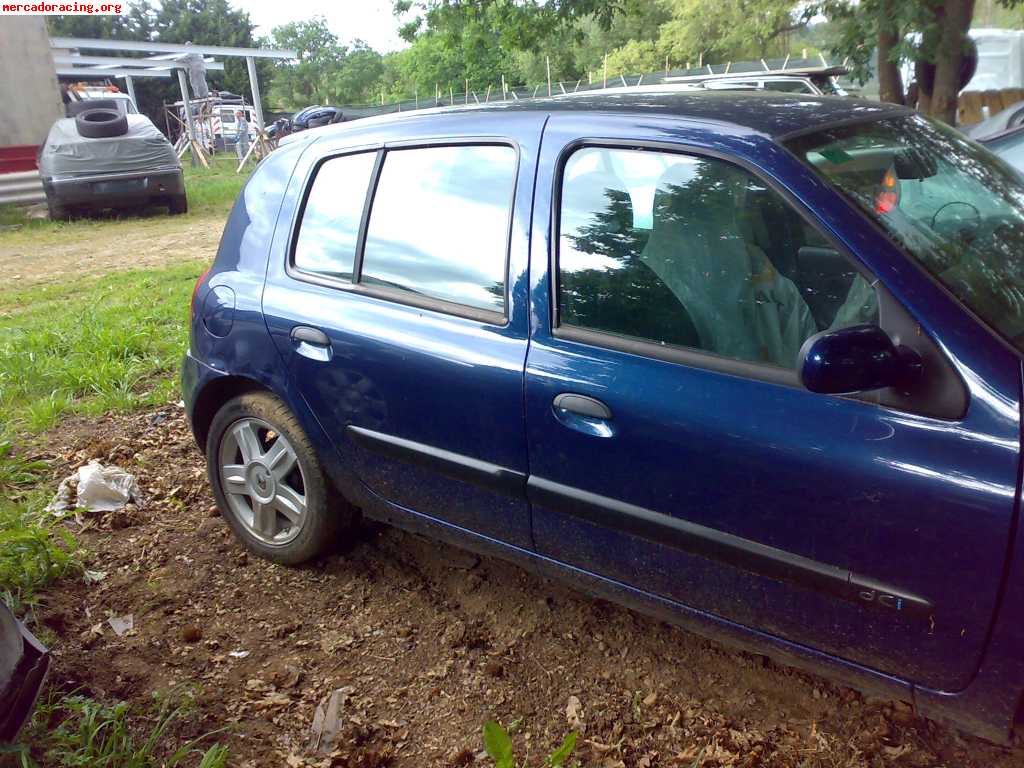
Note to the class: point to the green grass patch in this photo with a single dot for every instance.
(79, 732)
(92, 347)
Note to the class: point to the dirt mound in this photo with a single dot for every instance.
(425, 643)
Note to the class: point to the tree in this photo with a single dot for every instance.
(931, 33)
(730, 30)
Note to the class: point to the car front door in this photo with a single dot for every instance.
(403, 313)
(672, 447)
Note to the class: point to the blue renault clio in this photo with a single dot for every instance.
(747, 362)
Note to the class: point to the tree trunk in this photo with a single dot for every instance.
(949, 58)
(890, 84)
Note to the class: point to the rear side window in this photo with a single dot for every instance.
(329, 230)
(439, 224)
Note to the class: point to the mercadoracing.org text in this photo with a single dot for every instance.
(79, 9)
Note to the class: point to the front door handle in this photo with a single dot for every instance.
(311, 342)
(583, 414)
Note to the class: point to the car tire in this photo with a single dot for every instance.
(101, 123)
(56, 211)
(276, 498)
(177, 205)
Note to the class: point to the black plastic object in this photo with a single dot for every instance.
(101, 123)
(857, 359)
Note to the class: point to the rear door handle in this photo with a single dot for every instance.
(311, 342)
(583, 414)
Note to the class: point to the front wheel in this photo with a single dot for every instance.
(269, 483)
(178, 205)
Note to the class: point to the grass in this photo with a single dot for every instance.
(79, 732)
(88, 348)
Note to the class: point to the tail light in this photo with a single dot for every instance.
(195, 291)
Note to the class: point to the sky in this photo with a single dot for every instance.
(369, 20)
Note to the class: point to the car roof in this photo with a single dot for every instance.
(773, 114)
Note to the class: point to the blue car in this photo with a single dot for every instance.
(747, 362)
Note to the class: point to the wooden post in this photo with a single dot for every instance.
(504, 89)
(666, 66)
(785, 63)
(547, 60)
(605, 71)
(487, 96)
(803, 53)
(728, 66)
(416, 96)
(451, 95)
(623, 79)
(437, 94)
(700, 59)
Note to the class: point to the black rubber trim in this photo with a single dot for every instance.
(726, 548)
(494, 477)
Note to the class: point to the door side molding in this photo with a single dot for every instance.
(494, 477)
(736, 551)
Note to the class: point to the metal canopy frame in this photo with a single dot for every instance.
(162, 60)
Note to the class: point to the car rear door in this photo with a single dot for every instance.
(403, 314)
(672, 448)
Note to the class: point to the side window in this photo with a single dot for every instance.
(696, 252)
(439, 224)
(329, 229)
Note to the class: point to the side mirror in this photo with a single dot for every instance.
(857, 359)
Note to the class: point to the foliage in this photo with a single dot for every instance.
(326, 71)
(79, 732)
(730, 30)
(34, 551)
(498, 745)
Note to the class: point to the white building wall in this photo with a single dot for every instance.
(29, 94)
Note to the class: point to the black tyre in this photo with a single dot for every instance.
(177, 205)
(76, 108)
(101, 123)
(57, 211)
(269, 483)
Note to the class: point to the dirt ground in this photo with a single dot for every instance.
(29, 258)
(425, 643)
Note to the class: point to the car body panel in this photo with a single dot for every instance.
(924, 504)
(426, 390)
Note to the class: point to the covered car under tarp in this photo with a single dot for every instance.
(67, 155)
(135, 167)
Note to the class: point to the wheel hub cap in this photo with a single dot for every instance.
(262, 480)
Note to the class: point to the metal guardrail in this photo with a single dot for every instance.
(21, 187)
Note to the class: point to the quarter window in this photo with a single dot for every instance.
(439, 224)
(697, 252)
(329, 230)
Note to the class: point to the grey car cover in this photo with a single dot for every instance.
(143, 149)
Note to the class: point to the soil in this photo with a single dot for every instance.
(59, 255)
(425, 643)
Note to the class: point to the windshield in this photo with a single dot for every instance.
(951, 204)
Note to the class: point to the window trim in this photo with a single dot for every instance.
(317, 278)
(397, 295)
(688, 356)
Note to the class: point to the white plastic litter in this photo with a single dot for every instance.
(96, 488)
(122, 624)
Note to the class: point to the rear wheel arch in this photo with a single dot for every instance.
(213, 396)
